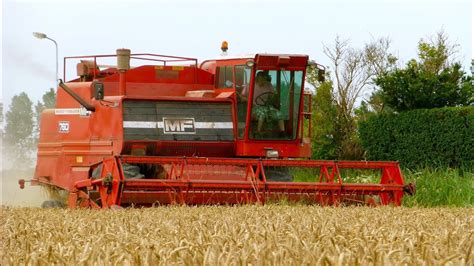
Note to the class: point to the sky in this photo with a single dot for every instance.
(197, 28)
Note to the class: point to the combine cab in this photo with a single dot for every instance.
(226, 131)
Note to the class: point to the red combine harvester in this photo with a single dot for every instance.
(226, 131)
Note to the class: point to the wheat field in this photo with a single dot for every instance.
(237, 235)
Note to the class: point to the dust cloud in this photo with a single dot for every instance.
(10, 174)
(11, 194)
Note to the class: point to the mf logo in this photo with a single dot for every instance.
(178, 126)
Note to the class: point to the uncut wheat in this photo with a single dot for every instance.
(257, 235)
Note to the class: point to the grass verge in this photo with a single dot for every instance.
(440, 187)
(434, 187)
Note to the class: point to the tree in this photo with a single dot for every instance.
(354, 70)
(363, 111)
(19, 128)
(373, 106)
(324, 123)
(39, 107)
(376, 104)
(437, 53)
(353, 74)
(432, 81)
(49, 101)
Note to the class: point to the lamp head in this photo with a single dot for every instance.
(39, 35)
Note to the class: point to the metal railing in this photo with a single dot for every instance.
(164, 59)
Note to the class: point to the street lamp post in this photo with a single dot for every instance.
(40, 36)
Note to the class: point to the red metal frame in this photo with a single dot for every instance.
(184, 186)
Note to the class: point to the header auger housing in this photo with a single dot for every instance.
(226, 131)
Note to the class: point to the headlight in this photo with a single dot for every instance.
(271, 154)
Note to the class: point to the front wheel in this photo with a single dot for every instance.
(52, 204)
(278, 174)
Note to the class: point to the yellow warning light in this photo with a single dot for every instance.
(79, 159)
(224, 46)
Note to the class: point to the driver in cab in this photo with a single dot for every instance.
(263, 88)
(263, 108)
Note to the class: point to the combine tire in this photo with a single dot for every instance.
(139, 171)
(52, 204)
(278, 174)
(131, 171)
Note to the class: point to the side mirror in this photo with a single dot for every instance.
(321, 70)
(99, 91)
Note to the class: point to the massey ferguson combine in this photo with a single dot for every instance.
(174, 131)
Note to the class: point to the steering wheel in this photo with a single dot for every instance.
(264, 98)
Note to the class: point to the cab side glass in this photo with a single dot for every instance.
(275, 105)
(242, 84)
(225, 77)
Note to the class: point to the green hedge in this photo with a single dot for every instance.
(442, 137)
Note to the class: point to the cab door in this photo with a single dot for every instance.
(274, 108)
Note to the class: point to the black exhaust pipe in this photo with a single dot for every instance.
(76, 97)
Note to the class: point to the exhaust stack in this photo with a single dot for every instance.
(123, 64)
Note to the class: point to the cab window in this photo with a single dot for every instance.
(225, 77)
(275, 104)
(242, 84)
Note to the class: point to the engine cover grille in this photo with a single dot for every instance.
(177, 121)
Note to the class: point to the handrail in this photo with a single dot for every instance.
(158, 58)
